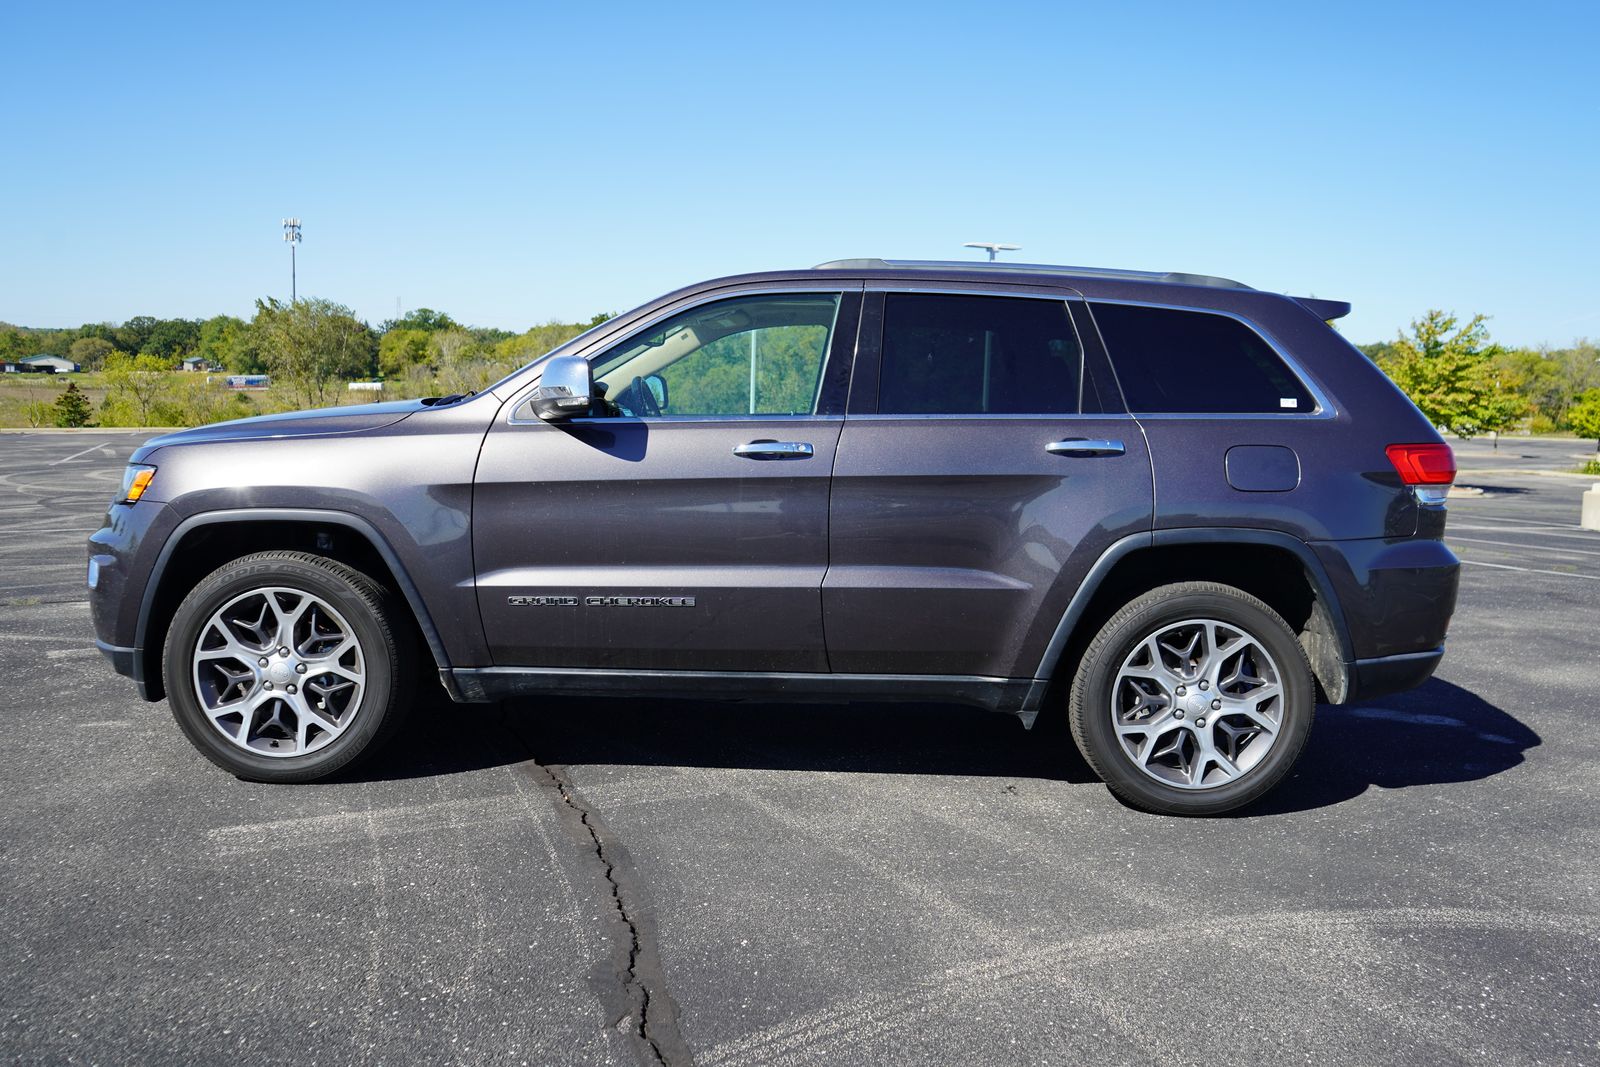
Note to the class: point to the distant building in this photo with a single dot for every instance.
(49, 364)
(10, 367)
(196, 364)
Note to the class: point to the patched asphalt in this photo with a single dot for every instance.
(807, 884)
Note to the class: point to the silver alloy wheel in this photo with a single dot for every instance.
(1197, 704)
(279, 672)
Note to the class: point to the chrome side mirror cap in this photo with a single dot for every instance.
(566, 388)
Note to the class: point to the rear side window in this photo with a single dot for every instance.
(1194, 362)
(974, 355)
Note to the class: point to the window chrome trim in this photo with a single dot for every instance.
(656, 420)
(1324, 410)
(1010, 416)
(596, 348)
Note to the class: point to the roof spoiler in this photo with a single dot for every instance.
(1323, 309)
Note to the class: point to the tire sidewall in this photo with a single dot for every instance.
(1093, 693)
(377, 650)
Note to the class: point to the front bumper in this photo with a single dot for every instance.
(122, 659)
(122, 555)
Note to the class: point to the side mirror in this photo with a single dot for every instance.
(565, 389)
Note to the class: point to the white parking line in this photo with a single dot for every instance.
(1514, 544)
(1529, 570)
(1505, 520)
(75, 455)
(1579, 533)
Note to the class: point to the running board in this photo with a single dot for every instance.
(1016, 696)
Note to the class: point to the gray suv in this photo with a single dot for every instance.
(1183, 510)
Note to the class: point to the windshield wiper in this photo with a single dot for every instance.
(441, 401)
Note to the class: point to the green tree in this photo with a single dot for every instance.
(526, 347)
(1448, 371)
(220, 339)
(71, 408)
(425, 319)
(1584, 416)
(90, 352)
(136, 383)
(171, 338)
(400, 349)
(13, 344)
(131, 335)
(311, 346)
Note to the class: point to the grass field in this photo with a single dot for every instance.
(19, 391)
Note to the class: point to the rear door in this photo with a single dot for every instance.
(985, 464)
(686, 527)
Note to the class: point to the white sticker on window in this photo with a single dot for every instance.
(1288, 402)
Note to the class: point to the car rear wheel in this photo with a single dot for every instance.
(1194, 699)
(286, 666)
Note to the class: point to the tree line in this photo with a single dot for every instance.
(311, 347)
(1463, 381)
(1468, 385)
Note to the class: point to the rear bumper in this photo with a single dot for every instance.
(1396, 594)
(1382, 675)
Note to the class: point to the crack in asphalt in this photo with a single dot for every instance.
(646, 1011)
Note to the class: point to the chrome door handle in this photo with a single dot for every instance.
(774, 450)
(1078, 446)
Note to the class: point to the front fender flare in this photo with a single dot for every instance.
(408, 588)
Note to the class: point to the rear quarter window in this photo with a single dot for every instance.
(1171, 361)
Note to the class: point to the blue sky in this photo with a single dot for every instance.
(520, 163)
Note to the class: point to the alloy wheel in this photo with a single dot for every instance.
(1197, 704)
(279, 672)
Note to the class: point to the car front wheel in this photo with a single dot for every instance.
(286, 666)
(1193, 699)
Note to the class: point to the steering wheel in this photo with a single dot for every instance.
(643, 397)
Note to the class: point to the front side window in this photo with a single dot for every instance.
(977, 355)
(1171, 361)
(748, 355)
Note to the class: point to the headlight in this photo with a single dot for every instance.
(135, 480)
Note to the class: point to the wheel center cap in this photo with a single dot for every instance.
(281, 672)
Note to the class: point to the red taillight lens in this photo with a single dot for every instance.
(1431, 464)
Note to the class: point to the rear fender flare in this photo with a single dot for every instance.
(1222, 535)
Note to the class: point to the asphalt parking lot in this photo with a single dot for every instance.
(807, 885)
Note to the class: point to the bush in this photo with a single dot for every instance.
(38, 413)
(1590, 467)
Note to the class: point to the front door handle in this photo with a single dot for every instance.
(774, 450)
(1079, 446)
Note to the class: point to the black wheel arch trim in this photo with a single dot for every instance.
(1218, 535)
(408, 588)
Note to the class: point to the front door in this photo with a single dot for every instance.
(985, 464)
(684, 526)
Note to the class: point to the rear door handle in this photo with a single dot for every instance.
(1079, 446)
(774, 450)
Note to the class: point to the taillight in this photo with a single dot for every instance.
(1428, 469)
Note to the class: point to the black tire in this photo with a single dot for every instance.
(373, 614)
(1091, 701)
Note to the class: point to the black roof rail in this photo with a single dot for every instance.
(1174, 277)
